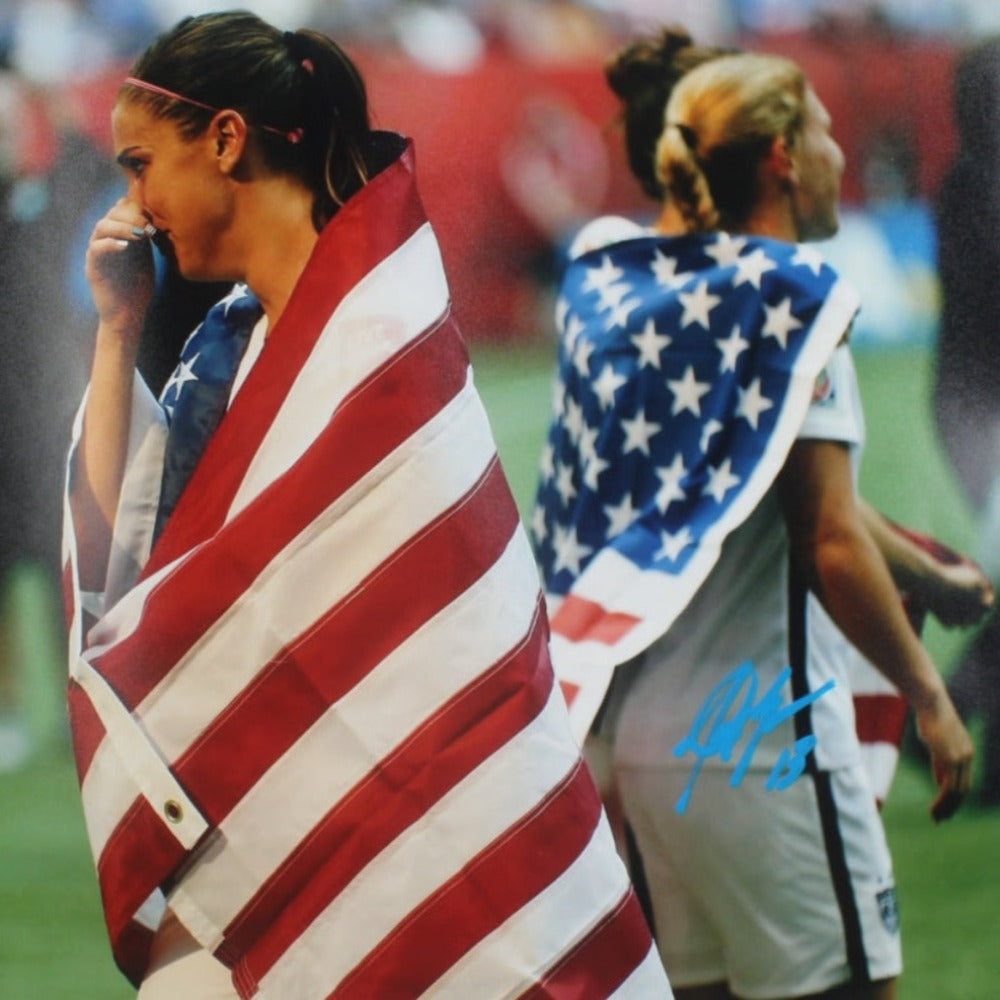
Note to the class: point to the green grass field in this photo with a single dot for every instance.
(52, 942)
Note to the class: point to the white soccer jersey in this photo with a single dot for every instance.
(745, 612)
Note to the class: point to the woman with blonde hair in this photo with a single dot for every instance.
(698, 524)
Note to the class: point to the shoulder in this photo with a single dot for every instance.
(602, 232)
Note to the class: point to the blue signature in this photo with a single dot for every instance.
(718, 728)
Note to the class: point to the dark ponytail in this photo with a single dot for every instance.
(301, 91)
(334, 119)
(643, 75)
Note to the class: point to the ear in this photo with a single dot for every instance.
(782, 162)
(228, 135)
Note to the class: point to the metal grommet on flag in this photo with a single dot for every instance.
(173, 811)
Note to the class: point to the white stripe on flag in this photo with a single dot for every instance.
(477, 629)
(393, 304)
(880, 761)
(545, 929)
(468, 819)
(136, 757)
(285, 599)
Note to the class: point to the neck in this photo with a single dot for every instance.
(670, 221)
(775, 221)
(772, 218)
(277, 241)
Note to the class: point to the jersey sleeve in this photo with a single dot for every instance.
(835, 411)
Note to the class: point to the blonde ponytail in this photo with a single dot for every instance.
(679, 171)
(721, 120)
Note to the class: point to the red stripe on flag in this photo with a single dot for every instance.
(603, 960)
(476, 901)
(579, 620)
(570, 691)
(304, 680)
(139, 856)
(132, 951)
(271, 715)
(474, 725)
(86, 726)
(366, 428)
(356, 240)
(880, 718)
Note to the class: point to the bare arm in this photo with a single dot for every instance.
(835, 550)
(954, 589)
(119, 271)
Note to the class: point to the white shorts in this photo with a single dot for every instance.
(777, 893)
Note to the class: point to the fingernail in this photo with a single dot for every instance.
(149, 230)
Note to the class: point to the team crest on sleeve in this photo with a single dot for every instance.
(824, 393)
(888, 909)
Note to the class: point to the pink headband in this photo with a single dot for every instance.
(294, 136)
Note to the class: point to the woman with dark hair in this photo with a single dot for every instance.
(320, 745)
(698, 524)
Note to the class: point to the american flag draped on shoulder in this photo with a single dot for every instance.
(686, 367)
(324, 720)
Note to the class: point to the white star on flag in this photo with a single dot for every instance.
(619, 516)
(603, 276)
(721, 480)
(574, 420)
(711, 428)
(697, 305)
(611, 296)
(726, 250)
(568, 549)
(538, 528)
(564, 484)
(670, 479)
(731, 347)
(752, 267)
(780, 321)
(237, 292)
(752, 403)
(588, 443)
(548, 462)
(581, 356)
(620, 314)
(637, 434)
(809, 257)
(650, 344)
(183, 374)
(607, 384)
(672, 545)
(573, 328)
(665, 270)
(592, 469)
(687, 392)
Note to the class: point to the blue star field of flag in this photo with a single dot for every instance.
(197, 393)
(675, 359)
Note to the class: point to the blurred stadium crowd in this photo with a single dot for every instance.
(512, 120)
